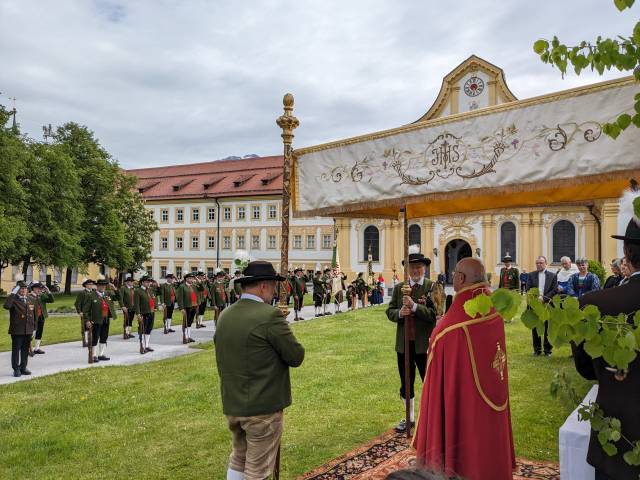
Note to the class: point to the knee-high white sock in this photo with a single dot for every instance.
(37, 344)
(101, 349)
(411, 414)
(86, 336)
(168, 323)
(188, 332)
(235, 475)
(146, 340)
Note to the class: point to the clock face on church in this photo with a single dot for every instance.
(473, 87)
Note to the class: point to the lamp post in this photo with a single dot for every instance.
(288, 123)
(47, 132)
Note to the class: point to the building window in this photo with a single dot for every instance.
(241, 213)
(508, 240)
(179, 215)
(297, 241)
(255, 212)
(194, 269)
(210, 272)
(311, 242)
(564, 240)
(149, 269)
(179, 272)
(414, 235)
(273, 212)
(371, 239)
(163, 271)
(195, 243)
(211, 214)
(211, 242)
(226, 242)
(272, 242)
(255, 242)
(178, 243)
(195, 214)
(227, 213)
(240, 241)
(164, 243)
(164, 215)
(326, 241)
(43, 273)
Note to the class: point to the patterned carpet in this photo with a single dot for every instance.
(390, 452)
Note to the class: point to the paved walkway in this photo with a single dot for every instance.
(62, 357)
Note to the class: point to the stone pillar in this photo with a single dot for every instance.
(427, 228)
(489, 242)
(537, 225)
(609, 219)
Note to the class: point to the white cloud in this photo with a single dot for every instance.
(164, 82)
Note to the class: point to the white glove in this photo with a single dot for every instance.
(15, 290)
(161, 307)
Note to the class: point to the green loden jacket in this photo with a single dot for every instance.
(184, 297)
(42, 300)
(219, 293)
(126, 298)
(82, 299)
(513, 278)
(254, 350)
(144, 298)
(92, 309)
(165, 293)
(425, 316)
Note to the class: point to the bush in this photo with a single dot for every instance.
(597, 269)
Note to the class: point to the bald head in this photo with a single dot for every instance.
(468, 272)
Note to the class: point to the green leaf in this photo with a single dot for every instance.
(636, 106)
(623, 357)
(620, 4)
(631, 458)
(636, 120)
(530, 319)
(484, 304)
(594, 347)
(540, 46)
(624, 121)
(615, 435)
(610, 449)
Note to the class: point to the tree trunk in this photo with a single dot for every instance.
(67, 281)
(26, 261)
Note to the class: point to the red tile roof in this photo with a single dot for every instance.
(211, 179)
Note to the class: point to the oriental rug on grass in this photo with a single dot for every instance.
(390, 452)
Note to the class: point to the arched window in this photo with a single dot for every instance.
(508, 240)
(414, 235)
(372, 238)
(564, 240)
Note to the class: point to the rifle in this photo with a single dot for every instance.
(141, 331)
(125, 315)
(184, 327)
(90, 341)
(82, 330)
(295, 307)
(164, 318)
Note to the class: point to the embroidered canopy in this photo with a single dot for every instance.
(539, 151)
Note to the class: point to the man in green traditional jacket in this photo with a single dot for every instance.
(319, 293)
(421, 309)
(254, 350)
(219, 295)
(43, 296)
(509, 276)
(327, 280)
(98, 311)
(188, 301)
(168, 300)
(126, 300)
(145, 303)
(300, 289)
(82, 297)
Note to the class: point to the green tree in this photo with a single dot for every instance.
(621, 53)
(139, 224)
(14, 232)
(103, 233)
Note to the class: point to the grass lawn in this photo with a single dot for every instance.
(164, 419)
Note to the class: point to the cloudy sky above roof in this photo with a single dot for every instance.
(167, 82)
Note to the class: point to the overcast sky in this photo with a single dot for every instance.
(165, 82)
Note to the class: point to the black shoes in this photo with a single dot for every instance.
(96, 359)
(25, 372)
(39, 352)
(16, 373)
(547, 354)
(171, 330)
(103, 358)
(191, 340)
(148, 350)
(402, 426)
(537, 354)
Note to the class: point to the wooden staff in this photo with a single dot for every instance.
(125, 316)
(408, 323)
(276, 468)
(90, 341)
(141, 331)
(83, 329)
(164, 318)
(184, 327)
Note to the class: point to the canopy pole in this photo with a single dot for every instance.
(408, 321)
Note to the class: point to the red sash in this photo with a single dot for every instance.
(173, 295)
(152, 303)
(194, 298)
(39, 311)
(105, 308)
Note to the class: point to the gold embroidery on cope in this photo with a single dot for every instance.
(499, 361)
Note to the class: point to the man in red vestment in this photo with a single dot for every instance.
(464, 426)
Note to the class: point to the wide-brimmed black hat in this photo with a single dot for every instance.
(221, 273)
(169, 275)
(102, 281)
(146, 278)
(88, 280)
(298, 270)
(21, 284)
(128, 278)
(327, 270)
(418, 258)
(507, 258)
(631, 234)
(259, 270)
(188, 275)
(36, 285)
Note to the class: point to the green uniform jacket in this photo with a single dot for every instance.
(184, 296)
(219, 293)
(254, 350)
(424, 316)
(360, 285)
(513, 279)
(165, 293)
(126, 298)
(42, 300)
(21, 315)
(82, 299)
(318, 287)
(143, 300)
(202, 290)
(92, 309)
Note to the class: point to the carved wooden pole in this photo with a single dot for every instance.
(288, 123)
(408, 320)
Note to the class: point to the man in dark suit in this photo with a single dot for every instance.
(22, 323)
(618, 392)
(547, 284)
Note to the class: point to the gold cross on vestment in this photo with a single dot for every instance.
(499, 361)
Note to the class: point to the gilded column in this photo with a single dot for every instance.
(609, 220)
